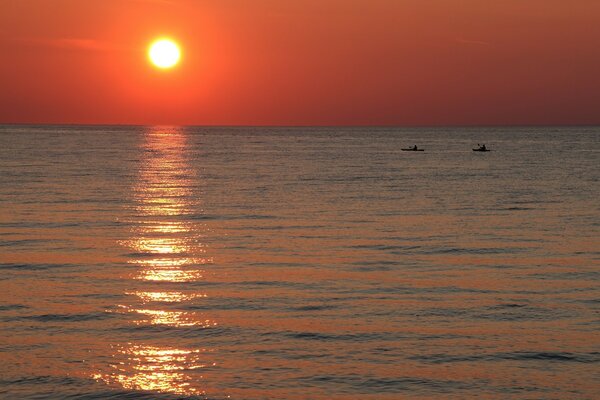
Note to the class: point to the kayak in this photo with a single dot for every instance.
(481, 150)
(412, 149)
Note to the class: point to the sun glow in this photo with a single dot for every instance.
(164, 53)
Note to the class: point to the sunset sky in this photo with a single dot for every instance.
(302, 62)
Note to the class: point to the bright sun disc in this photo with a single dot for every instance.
(164, 53)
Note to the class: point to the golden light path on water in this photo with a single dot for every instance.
(165, 297)
(157, 369)
(166, 251)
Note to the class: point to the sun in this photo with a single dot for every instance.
(164, 53)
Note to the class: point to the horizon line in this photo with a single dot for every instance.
(302, 125)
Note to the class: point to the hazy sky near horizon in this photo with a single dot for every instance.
(302, 62)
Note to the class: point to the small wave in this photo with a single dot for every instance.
(376, 265)
(287, 227)
(67, 317)
(43, 379)
(298, 285)
(351, 337)
(170, 331)
(372, 268)
(404, 249)
(508, 305)
(38, 224)
(521, 313)
(481, 250)
(383, 247)
(456, 289)
(13, 348)
(313, 307)
(370, 384)
(230, 217)
(228, 304)
(9, 307)
(72, 388)
(26, 242)
(571, 275)
(34, 267)
(593, 357)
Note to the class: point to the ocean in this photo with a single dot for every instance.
(299, 263)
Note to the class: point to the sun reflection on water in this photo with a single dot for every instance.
(159, 246)
(173, 318)
(168, 317)
(167, 227)
(166, 249)
(169, 275)
(166, 297)
(158, 369)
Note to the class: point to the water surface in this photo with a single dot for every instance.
(304, 263)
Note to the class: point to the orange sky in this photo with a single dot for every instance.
(302, 62)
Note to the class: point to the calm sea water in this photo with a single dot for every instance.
(255, 263)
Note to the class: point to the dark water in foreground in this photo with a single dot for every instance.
(299, 263)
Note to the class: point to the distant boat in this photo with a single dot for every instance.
(413, 149)
(481, 148)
